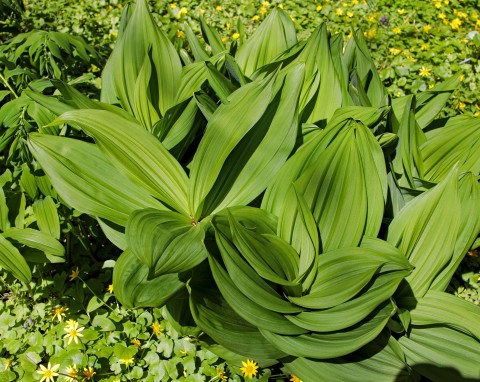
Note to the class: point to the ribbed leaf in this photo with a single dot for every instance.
(349, 172)
(45, 211)
(36, 239)
(12, 261)
(469, 194)
(442, 354)
(353, 311)
(86, 180)
(440, 308)
(335, 344)
(380, 360)
(425, 230)
(216, 318)
(252, 310)
(343, 273)
(134, 289)
(165, 241)
(136, 153)
(310, 153)
(456, 142)
(143, 41)
(274, 36)
(247, 280)
(297, 226)
(247, 105)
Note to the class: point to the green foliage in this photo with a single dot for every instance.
(297, 233)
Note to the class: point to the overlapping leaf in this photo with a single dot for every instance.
(86, 180)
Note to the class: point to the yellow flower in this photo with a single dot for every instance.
(372, 18)
(126, 361)
(371, 33)
(75, 273)
(455, 24)
(255, 18)
(94, 68)
(59, 313)
(89, 373)
(136, 342)
(73, 332)
(72, 373)
(349, 14)
(182, 11)
(354, 2)
(462, 105)
(173, 5)
(202, 11)
(401, 11)
(319, 8)
(8, 363)
(263, 10)
(438, 4)
(442, 16)
(218, 8)
(280, 6)
(292, 18)
(339, 12)
(395, 51)
(411, 58)
(447, 2)
(397, 30)
(424, 46)
(424, 72)
(236, 36)
(48, 373)
(157, 329)
(265, 4)
(249, 368)
(228, 26)
(427, 28)
(221, 375)
(110, 287)
(294, 378)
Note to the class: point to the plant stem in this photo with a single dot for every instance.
(8, 85)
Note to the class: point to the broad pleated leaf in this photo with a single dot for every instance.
(216, 318)
(425, 230)
(310, 153)
(165, 241)
(297, 226)
(247, 280)
(246, 107)
(133, 288)
(334, 344)
(407, 161)
(252, 310)
(36, 239)
(456, 142)
(349, 172)
(86, 180)
(440, 308)
(274, 36)
(343, 273)
(442, 354)
(12, 261)
(353, 311)
(469, 194)
(45, 211)
(136, 153)
(380, 360)
(143, 41)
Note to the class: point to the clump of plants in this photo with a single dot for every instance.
(277, 198)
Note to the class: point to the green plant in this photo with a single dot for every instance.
(279, 198)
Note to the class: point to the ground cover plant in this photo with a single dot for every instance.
(284, 214)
